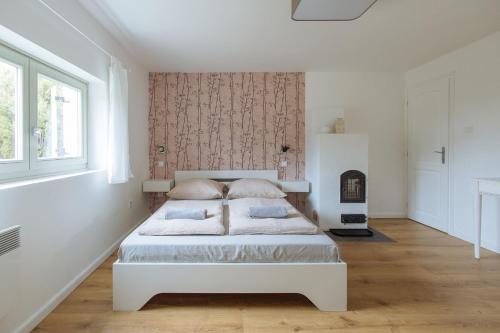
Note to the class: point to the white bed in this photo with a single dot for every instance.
(305, 264)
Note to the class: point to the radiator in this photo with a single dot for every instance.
(10, 243)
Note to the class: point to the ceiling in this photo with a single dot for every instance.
(258, 35)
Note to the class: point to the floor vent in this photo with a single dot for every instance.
(10, 239)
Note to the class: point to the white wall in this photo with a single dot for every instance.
(372, 103)
(475, 129)
(69, 223)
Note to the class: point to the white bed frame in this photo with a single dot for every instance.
(324, 284)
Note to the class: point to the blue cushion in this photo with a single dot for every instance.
(268, 212)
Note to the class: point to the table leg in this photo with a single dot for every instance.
(477, 220)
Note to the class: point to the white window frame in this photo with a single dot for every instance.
(55, 165)
(30, 166)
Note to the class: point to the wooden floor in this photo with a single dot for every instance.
(426, 282)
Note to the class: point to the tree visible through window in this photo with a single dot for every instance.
(8, 112)
(44, 98)
(59, 119)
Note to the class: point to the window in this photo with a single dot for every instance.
(42, 118)
(10, 112)
(59, 119)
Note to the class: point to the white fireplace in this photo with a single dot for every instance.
(341, 158)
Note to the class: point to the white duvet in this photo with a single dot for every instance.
(157, 225)
(240, 222)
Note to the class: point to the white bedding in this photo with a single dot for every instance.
(240, 223)
(157, 225)
(228, 249)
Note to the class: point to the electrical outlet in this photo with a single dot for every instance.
(284, 164)
(130, 202)
(161, 164)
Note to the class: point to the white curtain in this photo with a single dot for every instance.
(118, 146)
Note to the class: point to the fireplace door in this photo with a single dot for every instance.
(353, 187)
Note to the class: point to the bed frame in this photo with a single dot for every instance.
(324, 284)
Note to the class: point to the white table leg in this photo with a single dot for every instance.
(477, 219)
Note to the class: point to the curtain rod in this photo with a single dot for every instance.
(99, 47)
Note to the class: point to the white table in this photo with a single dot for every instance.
(482, 186)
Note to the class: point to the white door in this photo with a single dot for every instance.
(428, 117)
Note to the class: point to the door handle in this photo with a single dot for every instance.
(443, 154)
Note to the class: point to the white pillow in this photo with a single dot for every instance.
(197, 189)
(254, 188)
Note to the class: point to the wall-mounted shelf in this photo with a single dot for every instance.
(157, 185)
(294, 186)
(165, 185)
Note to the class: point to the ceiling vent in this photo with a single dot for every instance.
(329, 10)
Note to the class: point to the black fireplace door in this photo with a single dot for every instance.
(353, 187)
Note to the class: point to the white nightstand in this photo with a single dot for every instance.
(294, 186)
(157, 185)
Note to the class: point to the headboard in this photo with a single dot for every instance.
(227, 175)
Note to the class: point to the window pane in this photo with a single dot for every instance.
(10, 112)
(59, 120)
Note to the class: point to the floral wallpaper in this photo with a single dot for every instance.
(227, 121)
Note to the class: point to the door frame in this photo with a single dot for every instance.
(451, 146)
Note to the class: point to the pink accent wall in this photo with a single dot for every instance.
(227, 121)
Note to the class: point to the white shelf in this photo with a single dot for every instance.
(294, 186)
(157, 185)
(165, 185)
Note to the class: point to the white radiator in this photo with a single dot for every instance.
(10, 243)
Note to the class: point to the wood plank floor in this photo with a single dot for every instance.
(426, 282)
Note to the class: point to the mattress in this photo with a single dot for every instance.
(228, 248)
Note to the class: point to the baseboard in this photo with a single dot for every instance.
(458, 235)
(490, 246)
(397, 215)
(494, 247)
(44, 311)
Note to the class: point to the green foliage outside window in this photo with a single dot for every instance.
(44, 100)
(7, 113)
